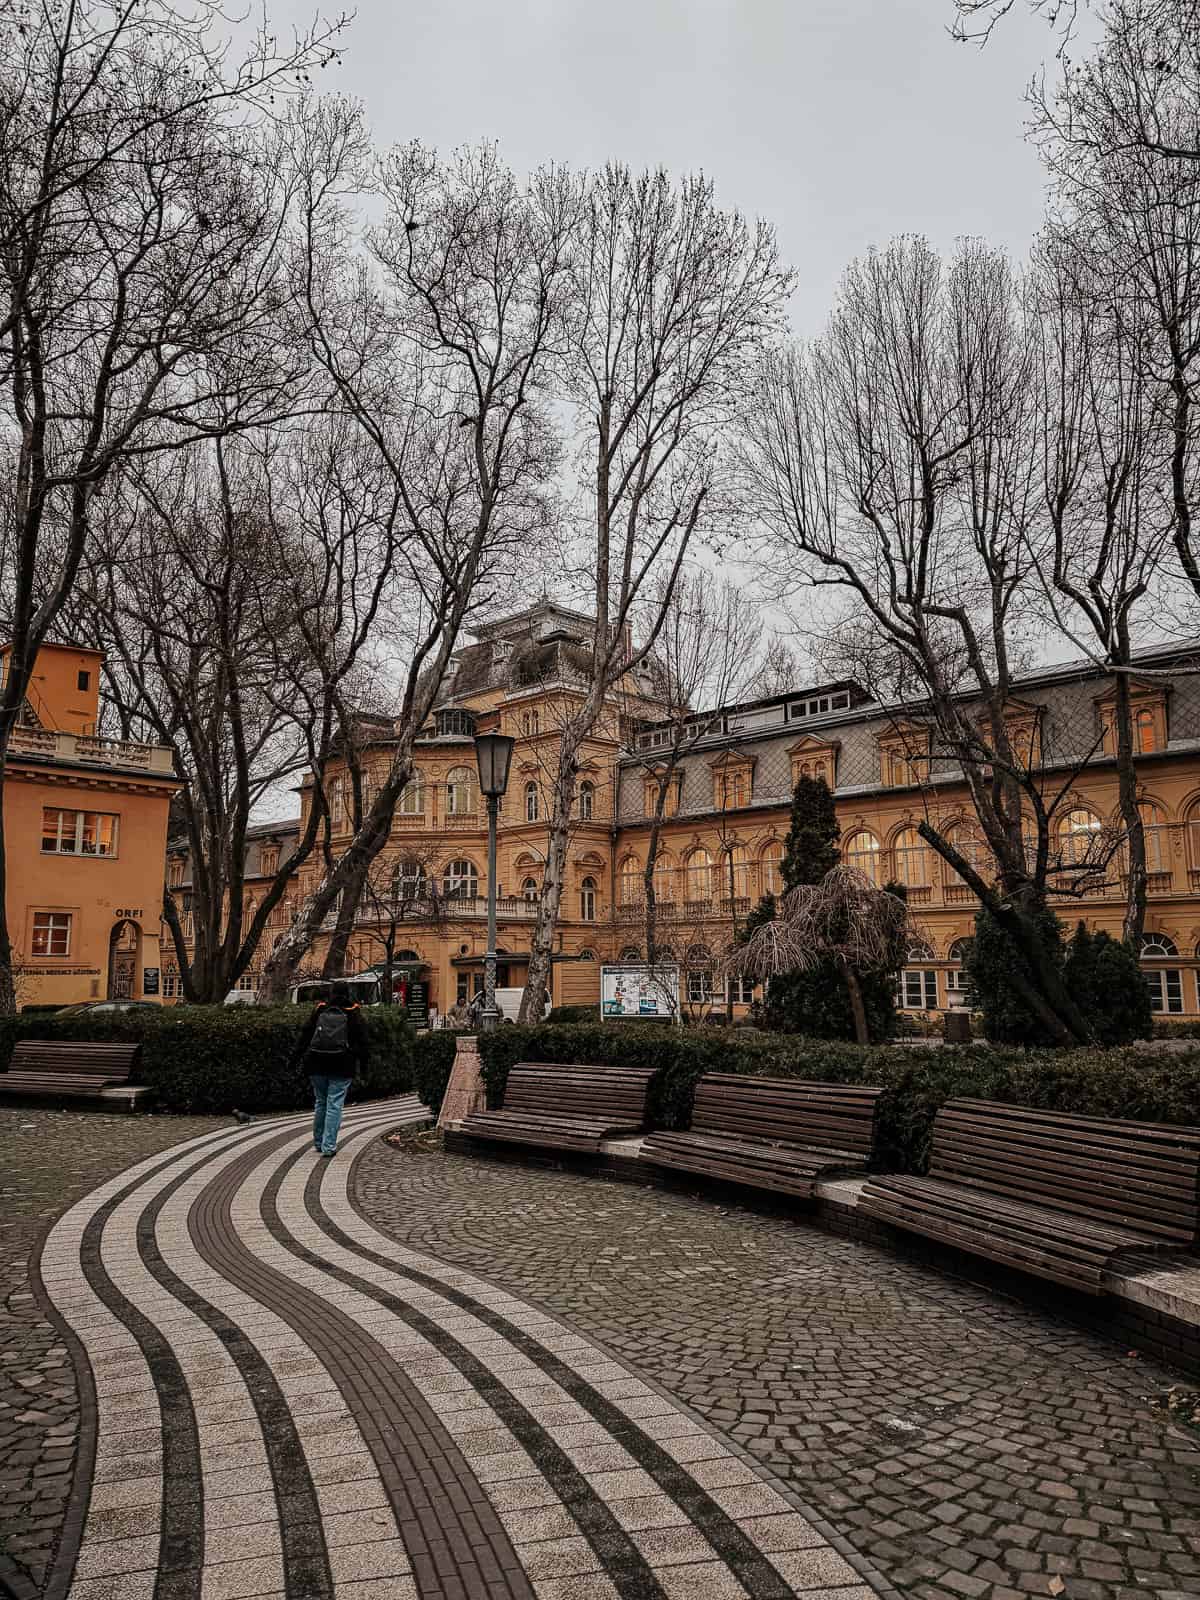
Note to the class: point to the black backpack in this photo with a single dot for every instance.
(331, 1036)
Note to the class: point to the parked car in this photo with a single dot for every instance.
(99, 1007)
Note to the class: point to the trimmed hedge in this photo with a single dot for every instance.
(916, 1081)
(210, 1059)
(433, 1058)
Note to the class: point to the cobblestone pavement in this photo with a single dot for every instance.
(48, 1159)
(279, 1400)
(969, 1446)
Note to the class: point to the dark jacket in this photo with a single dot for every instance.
(335, 1066)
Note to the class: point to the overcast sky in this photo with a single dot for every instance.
(843, 122)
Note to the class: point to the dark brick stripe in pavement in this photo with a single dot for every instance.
(457, 1546)
(623, 1561)
(721, 1531)
(305, 1562)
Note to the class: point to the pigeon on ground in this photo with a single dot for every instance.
(241, 1116)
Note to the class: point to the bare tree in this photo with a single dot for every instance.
(1105, 488)
(706, 652)
(1134, 205)
(440, 364)
(672, 298)
(140, 287)
(397, 893)
(894, 467)
(234, 590)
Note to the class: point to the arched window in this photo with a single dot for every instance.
(1158, 837)
(699, 976)
(970, 846)
(1164, 983)
(629, 881)
(530, 891)
(586, 955)
(587, 900)
(412, 797)
(1078, 837)
(771, 868)
(462, 792)
(1145, 734)
(408, 881)
(631, 952)
(913, 865)
(917, 990)
(587, 800)
(958, 986)
(665, 881)
(461, 880)
(531, 801)
(530, 723)
(735, 873)
(699, 876)
(456, 723)
(862, 852)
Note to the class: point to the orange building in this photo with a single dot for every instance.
(85, 832)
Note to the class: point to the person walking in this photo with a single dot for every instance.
(332, 1046)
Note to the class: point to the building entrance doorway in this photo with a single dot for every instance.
(124, 945)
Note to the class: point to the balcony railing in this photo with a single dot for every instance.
(87, 750)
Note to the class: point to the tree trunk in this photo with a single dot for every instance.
(284, 961)
(541, 949)
(1131, 816)
(335, 956)
(858, 1010)
(8, 981)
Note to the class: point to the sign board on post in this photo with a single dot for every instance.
(635, 990)
(149, 980)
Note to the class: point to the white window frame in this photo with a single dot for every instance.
(587, 800)
(55, 921)
(587, 900)
(1166, 997)
(918, 989)
(76, 849)
(532, 802)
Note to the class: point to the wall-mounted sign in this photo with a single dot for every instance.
(634, 991)
(149, 980)
(128, 911)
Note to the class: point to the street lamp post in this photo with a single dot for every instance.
(493, 753)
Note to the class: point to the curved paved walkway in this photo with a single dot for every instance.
(279, 1399)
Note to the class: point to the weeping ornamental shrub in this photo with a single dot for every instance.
(815, 1003)
(1101, 972)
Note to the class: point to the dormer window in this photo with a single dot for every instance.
(1148, 716)
(456, 723)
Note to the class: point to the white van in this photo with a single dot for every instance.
(508, 1003)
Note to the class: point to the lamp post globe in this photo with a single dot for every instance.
(493, 756)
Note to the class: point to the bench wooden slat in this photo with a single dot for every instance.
(777, 1134)
(1051, 1194)
(565, 1106)
(79, 1068)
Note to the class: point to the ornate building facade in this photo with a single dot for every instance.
(726, 819)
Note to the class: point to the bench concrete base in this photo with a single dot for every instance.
(1151, 1304)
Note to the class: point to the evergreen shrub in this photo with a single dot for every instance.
(210, 1059)
(916, 1081)
(433, 1058)
(1106, 980)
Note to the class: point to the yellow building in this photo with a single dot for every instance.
(85, 831)
(727, 819)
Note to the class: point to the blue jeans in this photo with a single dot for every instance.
(330, 1095)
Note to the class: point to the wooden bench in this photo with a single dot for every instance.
(75, 1069)
(565, 1107)
(781, 1134)
(1053, 1195)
